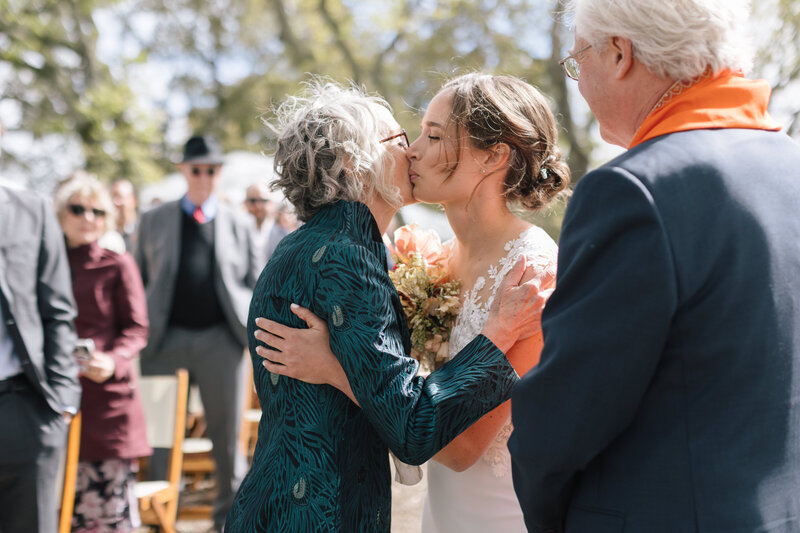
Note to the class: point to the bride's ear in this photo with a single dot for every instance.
(496, 157)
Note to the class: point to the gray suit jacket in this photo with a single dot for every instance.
(157, 254)
(35, 284)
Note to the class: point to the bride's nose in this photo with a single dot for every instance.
(411, 151)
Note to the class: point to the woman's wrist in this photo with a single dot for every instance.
(499, 337)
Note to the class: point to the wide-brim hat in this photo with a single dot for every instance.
(202, 150)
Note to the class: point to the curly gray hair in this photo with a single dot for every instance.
(676, 39)
(84, 185)
(329, 147)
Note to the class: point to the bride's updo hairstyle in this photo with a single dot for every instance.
(329, 148)
(503, 109)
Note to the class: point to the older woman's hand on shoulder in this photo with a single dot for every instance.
(516, 312)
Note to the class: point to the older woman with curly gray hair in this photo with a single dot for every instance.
(330, 148)
(666, 396)
(321, 461)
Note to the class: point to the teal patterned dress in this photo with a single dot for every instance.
(321, 463)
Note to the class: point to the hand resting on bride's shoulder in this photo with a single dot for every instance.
(516, 312)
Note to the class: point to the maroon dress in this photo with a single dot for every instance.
(111, 311)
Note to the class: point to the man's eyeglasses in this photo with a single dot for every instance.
(401, 134)
(79, 210)
(197, 171)
(257, 200)
(571, 66)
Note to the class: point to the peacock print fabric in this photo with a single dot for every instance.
(321, 461)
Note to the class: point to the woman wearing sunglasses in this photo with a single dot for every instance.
(321, 461)
(112, 327)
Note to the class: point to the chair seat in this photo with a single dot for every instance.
(197, 445)
(144, 489)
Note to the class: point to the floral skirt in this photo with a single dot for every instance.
(104, 499)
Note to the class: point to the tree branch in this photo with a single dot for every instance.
(298, 53)
(341, 44)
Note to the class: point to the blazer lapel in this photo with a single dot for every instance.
(172, 228)
(4, 288)
(222, 235)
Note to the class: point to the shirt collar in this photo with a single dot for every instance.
(209, 207)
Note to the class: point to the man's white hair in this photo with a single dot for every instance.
(677, 39)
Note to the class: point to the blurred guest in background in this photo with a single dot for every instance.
(285, 223)
(264, 211)
(112, 326)
(124, 197)
(195, 258)
(110, 239)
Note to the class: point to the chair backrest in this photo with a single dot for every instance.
(65, 491)
(164, 401)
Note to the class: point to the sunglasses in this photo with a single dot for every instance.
(199, 171)
(257, 200)
(401, 134)
(79, 210)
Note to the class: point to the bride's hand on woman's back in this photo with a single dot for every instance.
(303, 354)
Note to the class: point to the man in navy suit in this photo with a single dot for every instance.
(667, 398)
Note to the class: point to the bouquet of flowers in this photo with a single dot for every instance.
(429, 298)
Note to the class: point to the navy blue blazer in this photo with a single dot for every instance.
(667, 398)
(321, 463)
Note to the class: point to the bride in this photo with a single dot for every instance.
(486, 142)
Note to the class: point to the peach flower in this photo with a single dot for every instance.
(409, 239)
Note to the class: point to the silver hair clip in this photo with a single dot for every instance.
(542, 170)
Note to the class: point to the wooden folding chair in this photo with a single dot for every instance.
(164, 401)
(198, 464)
(70, 470)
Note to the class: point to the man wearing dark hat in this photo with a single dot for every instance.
(195, 258)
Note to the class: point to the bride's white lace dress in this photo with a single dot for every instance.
(481, 499)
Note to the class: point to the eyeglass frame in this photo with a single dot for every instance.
(572, 59)
(79, 210)
(402, 134)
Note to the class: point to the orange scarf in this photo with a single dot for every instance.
(727, 100)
